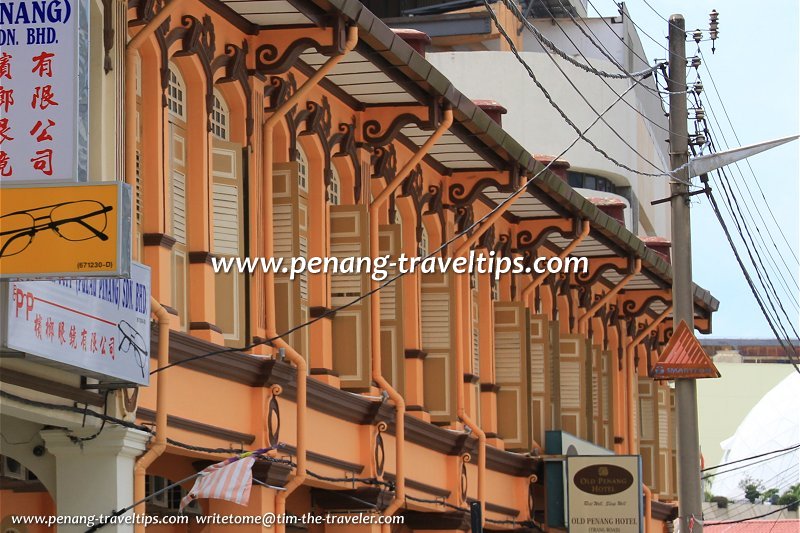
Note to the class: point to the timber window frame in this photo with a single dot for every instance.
(227, 224)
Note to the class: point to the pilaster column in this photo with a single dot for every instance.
(95, 477)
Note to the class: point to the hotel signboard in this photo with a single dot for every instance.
(65, 231)
(99, 327)
(604, 494)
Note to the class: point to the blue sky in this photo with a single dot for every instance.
(755, 68)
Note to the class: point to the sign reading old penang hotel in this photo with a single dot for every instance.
(44, 55)
(604, 494)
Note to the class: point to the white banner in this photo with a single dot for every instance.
(43, 90)
(100, 326)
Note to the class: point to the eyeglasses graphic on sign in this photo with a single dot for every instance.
(132, 339)
(79, 220)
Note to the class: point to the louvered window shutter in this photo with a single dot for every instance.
(597, 396)
(605, 399)
(392, 310)
(673, 441)
(476, 332)
(437, 340)
(227, 205)
(663, 438)
(351, 327)
(290, 231)
(648, 420)
(541, 419)
(554, 373)
(177, 191)
(572, 384)
(511, 364)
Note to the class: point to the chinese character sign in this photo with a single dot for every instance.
(100, 326)
(40, 86)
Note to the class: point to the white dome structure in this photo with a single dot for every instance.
(773, 424)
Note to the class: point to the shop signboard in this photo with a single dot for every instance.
(97, 327)
(65, 231)
(44, 90)
(604, 494)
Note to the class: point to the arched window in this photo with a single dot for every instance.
(220, 117)
(176, 93)
(302, 169)
(334, 188)
(424, 244)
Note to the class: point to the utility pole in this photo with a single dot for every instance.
(689, 493)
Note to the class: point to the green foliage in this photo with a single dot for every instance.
(791, 498)
(752, 488)
(770, 496)
(721, 501)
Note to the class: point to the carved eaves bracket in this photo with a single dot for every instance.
(283, 50)
(375, 134)
(464, 187)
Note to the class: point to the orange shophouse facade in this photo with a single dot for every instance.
(309, 128)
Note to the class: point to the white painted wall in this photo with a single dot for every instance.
(533, 122)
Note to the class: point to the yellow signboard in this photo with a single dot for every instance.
(65, 231)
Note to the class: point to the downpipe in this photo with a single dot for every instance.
(159, 443)
(291, 354)
(130, 95)
(629, 357)
(375, 316)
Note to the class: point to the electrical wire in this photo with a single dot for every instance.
(622, 14)
(765, 248)
(552, 102)
(747, 161)
(766, 296)
(603, 50)
(392, 279)
(760, 252)
(740, 467)
(598, 44)
(755, 259)
(752, 517)
(115, 420)
(790, 448)
(561, 53)
(748, 278)
(547, 43)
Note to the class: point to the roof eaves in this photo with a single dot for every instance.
(383, 40)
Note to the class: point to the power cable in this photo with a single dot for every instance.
(561, 53)
(747, 161)
(765, 247)
(722, 177)
(552, 102)
(547, 43)
(755, 259)
(790, 448)
(749, 279)
(392, 279)
(724, 522)
(598, 44)
(115, 420)
(611, 58)
(741, 467)
(622, 14)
